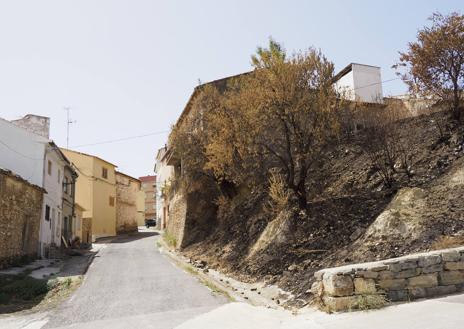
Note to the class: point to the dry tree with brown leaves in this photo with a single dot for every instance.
(433, 65)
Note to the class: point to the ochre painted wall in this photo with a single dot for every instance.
(94, 192)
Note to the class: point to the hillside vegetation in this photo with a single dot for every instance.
(352, 218)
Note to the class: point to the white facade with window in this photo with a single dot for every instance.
(37, 160)
(51, 226)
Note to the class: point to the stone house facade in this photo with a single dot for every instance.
(127, 189)
(20, 215)
(149, 189)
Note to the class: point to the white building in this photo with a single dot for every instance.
(360, 82)
(164, 173)
(30, 154)
(52, 219)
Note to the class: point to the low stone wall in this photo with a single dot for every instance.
(406, 278)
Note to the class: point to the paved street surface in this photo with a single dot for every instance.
(129, 285)
(442, 313)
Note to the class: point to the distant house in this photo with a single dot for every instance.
(149, 190)
(95, 191)
(27, 151)
(360, 83)
(164, 173)
(127, 191)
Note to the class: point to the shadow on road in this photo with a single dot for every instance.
(129, 237)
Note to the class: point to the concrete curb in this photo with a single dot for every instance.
(248, 295)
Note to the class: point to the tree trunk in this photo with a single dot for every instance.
(456, 109)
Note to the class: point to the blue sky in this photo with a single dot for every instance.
(127, 67)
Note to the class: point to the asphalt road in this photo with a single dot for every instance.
(131, 285)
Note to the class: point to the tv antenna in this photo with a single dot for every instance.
(68, 123)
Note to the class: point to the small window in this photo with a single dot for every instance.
(112, 201)
(59, 176)
(49, 168)
(47, 212)
(105, 173)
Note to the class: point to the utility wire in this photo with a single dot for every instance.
(19, 153)
(377, 83)
(122, 139)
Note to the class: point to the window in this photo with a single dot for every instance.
(65, 185)
(49, 168)
(105, 173)
(59, 176)
(47, 212)
(112, 201)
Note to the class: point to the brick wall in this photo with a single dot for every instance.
(20, 214)
(398, 279)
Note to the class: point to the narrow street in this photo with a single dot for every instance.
(131, 285)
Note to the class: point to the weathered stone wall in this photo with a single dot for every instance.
(126, 203)
(398, 279)
(20, 213)
(34, 123)
(175, 227)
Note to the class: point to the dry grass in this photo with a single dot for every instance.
(445, 242)
(371, 302)
(170, 240)
(278, 192)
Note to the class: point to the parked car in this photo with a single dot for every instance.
(150, 222)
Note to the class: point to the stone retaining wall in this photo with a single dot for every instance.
(20, 213)
(398, 279)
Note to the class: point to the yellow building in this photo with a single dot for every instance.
(82, 227)
(140, 208)
(95, 191)
(127, 189)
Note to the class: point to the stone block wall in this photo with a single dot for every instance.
(126, 203)
(406, 278)
(20, 214)
(175, 226)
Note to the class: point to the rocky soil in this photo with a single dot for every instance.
(352, 216)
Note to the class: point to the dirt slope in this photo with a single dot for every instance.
(352, 216)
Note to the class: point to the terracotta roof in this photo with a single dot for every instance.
(147, 179)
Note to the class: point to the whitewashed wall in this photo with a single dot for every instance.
(163, 175)
(363, 83)
(22, 152)
(50, 230)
